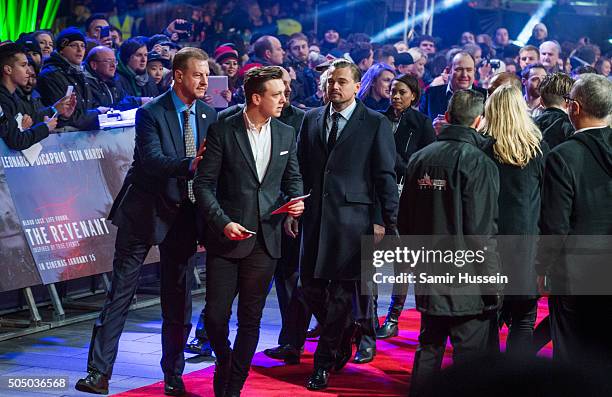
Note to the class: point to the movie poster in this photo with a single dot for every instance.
(63, 198)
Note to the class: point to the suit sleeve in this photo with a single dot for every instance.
(302, 153)
(149, 149)
(383, 175)
(291, 183)
(205, 181)
(557, 204)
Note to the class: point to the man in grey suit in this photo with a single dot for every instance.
(250, 169)
(347, 158)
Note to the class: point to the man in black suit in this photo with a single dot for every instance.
(156, 207)
(347, 158)
(435, 101)
(577, 217)
(294, 313)
(250, 169)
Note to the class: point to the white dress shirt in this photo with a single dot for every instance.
(261, 145)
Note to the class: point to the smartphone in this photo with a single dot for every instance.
(104, 31)
(249, 232)
(69, 90)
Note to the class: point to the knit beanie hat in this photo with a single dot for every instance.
(223, 53)
(67, 36)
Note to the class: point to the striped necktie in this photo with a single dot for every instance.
(190, 148)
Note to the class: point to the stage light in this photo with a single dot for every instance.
(19, 16)
(534, 20)
(422, 17)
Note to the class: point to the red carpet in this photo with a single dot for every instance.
(387, 375)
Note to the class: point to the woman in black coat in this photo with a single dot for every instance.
(413, 131)
(519, 154)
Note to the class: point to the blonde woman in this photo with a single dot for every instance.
(519, 154)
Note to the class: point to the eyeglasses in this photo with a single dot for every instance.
(568, 99)
(76, 46)
(109, 61)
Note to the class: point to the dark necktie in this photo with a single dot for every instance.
(333, 133)
(190, 149)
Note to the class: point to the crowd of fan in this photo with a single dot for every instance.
(108, 72)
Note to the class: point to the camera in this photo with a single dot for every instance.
(187, 27)
(104, 31)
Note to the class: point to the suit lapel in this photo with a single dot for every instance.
(173, 124)
(243, 142)
(352, 124)
(202, 121)
(275, 138)
(321, 125)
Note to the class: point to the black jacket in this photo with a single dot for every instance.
(291, 115)
(519, 213)
(15, 139)
(128, 84)
(305, 83)
(555, 126)
(33, 106)
(436, 98)
(227, 187)
(576, 202)
(413, 133)
(452, 188)
(55, 77)
(109, 93)
(347, 184)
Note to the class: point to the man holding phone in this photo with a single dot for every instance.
(98, 30)
(250, 168)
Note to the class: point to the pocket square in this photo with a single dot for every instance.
(284, 152)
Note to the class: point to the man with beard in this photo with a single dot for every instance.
(156, 207)
(305, 83)
(63, 69)
(100, 68)
(341, 208)
(132, 71)
(532, 77)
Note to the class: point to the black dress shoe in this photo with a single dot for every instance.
(364, 356)
(318, 380)
(95, 383)
(345, 350)
(173, 385)
(288, 353)
(199, 346)
(313, 333)
(388, 330)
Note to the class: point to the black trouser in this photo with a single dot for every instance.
(365, 314)
(176, 282)
(331, 303)
(250, 278)
(520, 316)
(399, 292)
(470, 337)
(295, 315)
(578, 332)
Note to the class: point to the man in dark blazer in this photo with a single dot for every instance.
(347, 159)
(435, 101)
(576, 224)
(156, 207)
(294, 313)
(249, 170)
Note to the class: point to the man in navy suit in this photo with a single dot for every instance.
(435, 101)
(249, 170)
(156, 207)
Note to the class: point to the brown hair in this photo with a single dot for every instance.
(344, 63)
(504, 78)
(182, 57)
(255, 80)
(554, 87)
